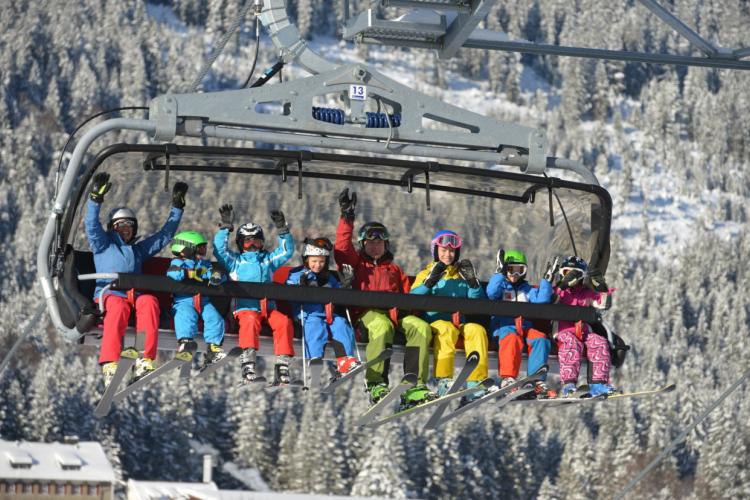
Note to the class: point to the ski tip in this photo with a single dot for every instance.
(387, 352)
(473, 357)
(671, 387)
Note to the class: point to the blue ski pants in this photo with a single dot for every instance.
(186, 320)
(316, 334)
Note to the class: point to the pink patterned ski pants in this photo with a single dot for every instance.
(570, 352)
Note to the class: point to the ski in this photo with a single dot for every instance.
(234, 353)
(408, 381)
(471, 363)
(351, 374)
(180, 359)
(126, 362)
(484, 385)
(650, 392)
(491, 396)
(580, 396)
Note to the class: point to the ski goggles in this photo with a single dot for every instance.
(448, 240)
(252, 244)
(123, 223)
(376, 233)
(516, 270)
(566, 270)
(323, 243)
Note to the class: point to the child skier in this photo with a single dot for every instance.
(509, 284)
(446, 276)
(314, 271)
(117, 250)
(577, 288)
(189, 264)
(375, 270)
(254, 264)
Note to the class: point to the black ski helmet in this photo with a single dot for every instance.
(373, 231)
(247, 231)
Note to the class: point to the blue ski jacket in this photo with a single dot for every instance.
(113, 255)
(192, 269)
(310, 308)
(499, 288)
(255, 267)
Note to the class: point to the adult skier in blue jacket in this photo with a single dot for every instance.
(117, 250)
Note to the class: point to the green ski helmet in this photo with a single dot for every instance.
(513, 258)
(187, 242)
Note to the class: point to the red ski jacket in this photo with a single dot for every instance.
(379, 276)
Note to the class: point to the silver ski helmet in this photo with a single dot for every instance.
(249, 231)
(122, 215)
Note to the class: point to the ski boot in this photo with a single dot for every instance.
(474, 395)
(248, 373)
(377, 391)
(506, 381)
(109, 369)
(345, 364)
(599, 389)
(568, 390)
(443, 384)
(143, 366)
(281, 373)
(188, 345)
(214, 354)
(416, 396)
(541, 391)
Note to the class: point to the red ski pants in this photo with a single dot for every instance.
(281, 326)
(509, 355)
(116, 315)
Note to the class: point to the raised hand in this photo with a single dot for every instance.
(347, 204)
(437, 271)
(226, 213)
(346, 273)
(501, 267)
(178, 195)
(279, 221)
(552, 269)
(468, 273)
(99, 187)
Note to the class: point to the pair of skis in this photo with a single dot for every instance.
(128, 357)
(581, 396)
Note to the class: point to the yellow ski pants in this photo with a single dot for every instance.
(445, 335)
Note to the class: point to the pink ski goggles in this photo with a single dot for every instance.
(448, 240)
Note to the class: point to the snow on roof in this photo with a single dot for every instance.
(84, 461)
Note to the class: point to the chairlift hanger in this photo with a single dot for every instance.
(450, 25)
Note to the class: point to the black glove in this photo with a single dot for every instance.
(595, 281)
(468, 273)
(501, 267)
(306, 279)
(99, 187)
(178, 195)
(347, 204)
(435, 274)
(571, 279)
(346, 276)
(552, 269)
(280, 221)
(226, 213)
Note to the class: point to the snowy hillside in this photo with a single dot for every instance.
(670, 145)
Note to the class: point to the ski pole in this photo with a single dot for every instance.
(304, 356)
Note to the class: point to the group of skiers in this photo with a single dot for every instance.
(367, 266)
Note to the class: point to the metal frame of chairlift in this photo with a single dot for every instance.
(452, 24)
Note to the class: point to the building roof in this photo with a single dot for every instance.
(83, 461)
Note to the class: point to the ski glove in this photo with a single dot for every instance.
(280, 221)
(571, 279)
(501, 267)
(552, 269)
(227, 217)
(437, 271)
(595, 281)
(178, 195)
(346, 275)
(347, 204)
(99, 187)
(468, 273)
(306, 279)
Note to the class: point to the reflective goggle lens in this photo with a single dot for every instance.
(376, 234)
(516, 269)
(566, 270)
(249, 243)
(124, 223)
(320, 243)
(448, 240)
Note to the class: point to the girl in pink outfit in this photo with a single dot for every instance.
(573, 336)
